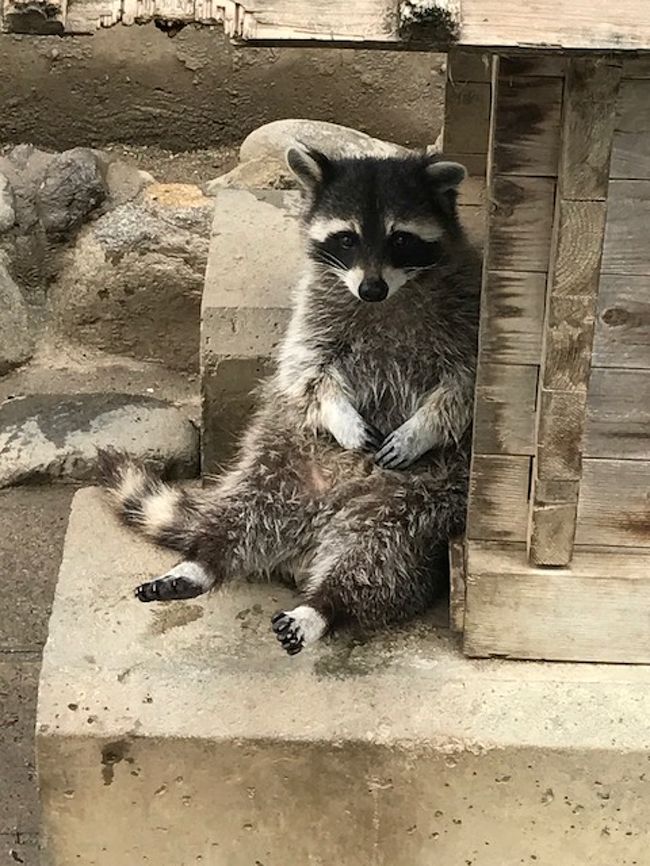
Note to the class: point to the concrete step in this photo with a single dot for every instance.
(181, 734)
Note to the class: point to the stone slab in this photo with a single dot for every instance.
(254, 262)
(181, 734)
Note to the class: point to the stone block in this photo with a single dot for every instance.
(181, 734)
(254, 262)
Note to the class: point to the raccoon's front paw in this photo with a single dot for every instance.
(404, 446)
(351, 431)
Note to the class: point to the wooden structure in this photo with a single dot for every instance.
(549, 103)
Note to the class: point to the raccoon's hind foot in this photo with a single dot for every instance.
(298, 628)
(185, 580)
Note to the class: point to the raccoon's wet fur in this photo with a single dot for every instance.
(353, 472)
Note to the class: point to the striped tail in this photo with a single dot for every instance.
(166, 515)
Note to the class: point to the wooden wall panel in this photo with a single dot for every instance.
(614, 504)
(512, 316)
(631, 152)
(626, 249)
(521, 222)
(504, 417)
(622, 337)
(498, 501)
(618, 415)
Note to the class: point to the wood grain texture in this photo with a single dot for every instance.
(568, 338)
(560, 614)
(588, 126)
(463, 65)
(552, 532)
(512, 317)
(559, 437)
(622, 337)
(626, 249)
(520, 223)
(618, 415)
(614, 503)
(599, 25)
(457, 583)
(580, 230)
(504, 412)
(467, 117)
(631, 150)
(329, 20)
(527, 133)
(498, 501)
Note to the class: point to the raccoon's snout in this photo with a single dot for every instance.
(373, 289)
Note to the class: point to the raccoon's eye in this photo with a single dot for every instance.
(400, 240)
(347, 240)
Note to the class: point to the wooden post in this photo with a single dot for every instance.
(579, 226)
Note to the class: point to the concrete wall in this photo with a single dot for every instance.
(137, 85)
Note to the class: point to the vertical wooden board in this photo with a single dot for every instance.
(568, 341)
(626, 249)
(498, 499)
(537, 65)
(631, 150)
(504, 414)
(618, 414)
(552, 533)
(579, 242)
(512, 315)
(622, 337)
(591, 91)
(527, 130)
(469, 66)
(614, 504)
(520, 223)
(559, 438)
(467, 118)
(457, 568)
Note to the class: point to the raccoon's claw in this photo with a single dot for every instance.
(373, 438)
(167, 589)
(288, 632)
(395, 452)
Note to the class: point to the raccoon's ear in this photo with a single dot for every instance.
(311, 167)
(446, 175)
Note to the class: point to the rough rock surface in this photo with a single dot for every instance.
(260, 173)
(132, 283)
(55, 436)
(72, 187)
(7, 212)
(273, 139)
(16, 339)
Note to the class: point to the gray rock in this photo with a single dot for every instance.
(25, 167)
(7, 211)
(133, 281)
(73, 186)
(263, 172)
(16, 339)
(125, 182)
(272, 140)
(55, 436)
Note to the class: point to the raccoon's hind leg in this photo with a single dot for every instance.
(378, 559)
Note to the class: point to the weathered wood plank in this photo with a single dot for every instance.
(330, 20)
(636, 67)
(457, 583)
(504, 413)
(568, 339)
(520, 221)
(626, 249)
(614, 504)
(631, 151)
(538, 65)
(467, 118)
(498, 501)
(560, 614)
(588, 127)
(622, 337)
(599, 25)
(528, 125)
(512, 316)
(553, 522)
(580, 229)
(618, 414)
(559, 437)
(465, 65)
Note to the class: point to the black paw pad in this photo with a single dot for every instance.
(168, 589)
(288, 632)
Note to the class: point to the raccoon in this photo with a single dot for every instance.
(353, 472)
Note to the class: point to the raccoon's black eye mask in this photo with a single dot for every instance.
(406, 250)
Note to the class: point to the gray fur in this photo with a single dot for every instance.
(360, 521)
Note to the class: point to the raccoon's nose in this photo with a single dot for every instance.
(373, 289)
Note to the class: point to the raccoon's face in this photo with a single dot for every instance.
(374, 222)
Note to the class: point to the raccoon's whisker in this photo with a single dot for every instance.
(330, 259)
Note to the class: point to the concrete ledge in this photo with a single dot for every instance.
(181, 734)
(254, 261)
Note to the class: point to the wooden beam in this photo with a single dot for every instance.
(595, 610)
(512, 315)
(579, 231)
(498, 498)
(457, 574)
(504, 414)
